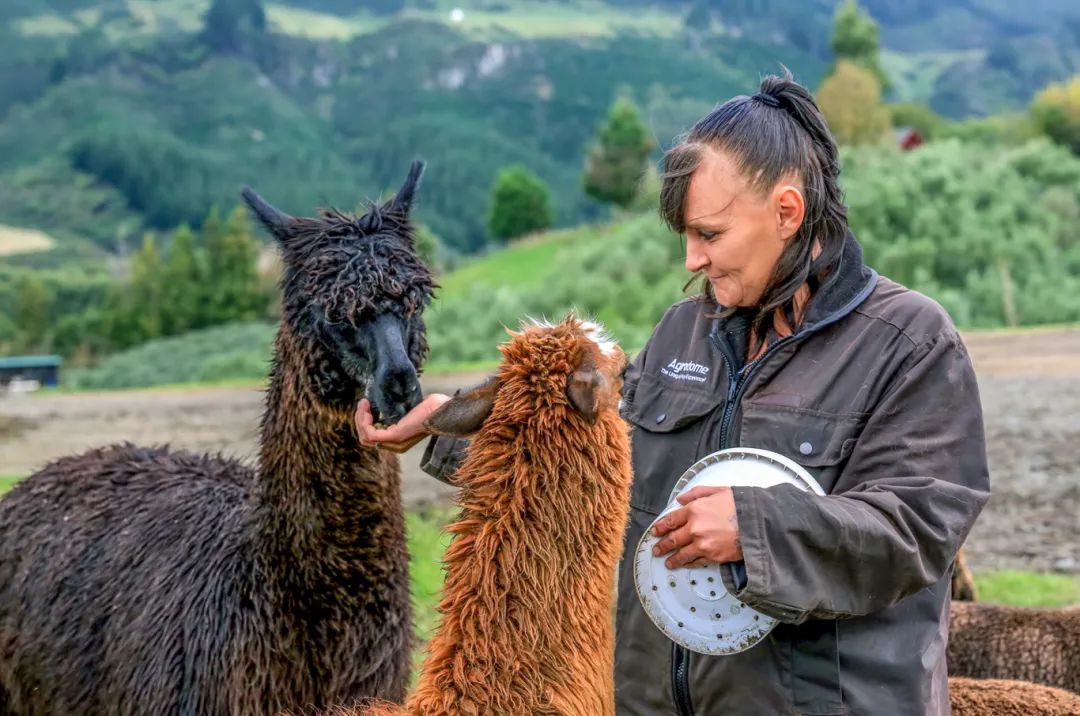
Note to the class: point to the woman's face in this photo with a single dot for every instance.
(734, 233)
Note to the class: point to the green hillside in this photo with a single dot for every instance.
(118, 116)
(990, 235)
(133, 114)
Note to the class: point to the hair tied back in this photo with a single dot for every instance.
(767, 99)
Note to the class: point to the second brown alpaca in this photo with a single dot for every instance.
(1002, 642)
(544, 492)
(998, 697)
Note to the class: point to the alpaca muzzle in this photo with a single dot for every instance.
(394, 388)
(394, 392)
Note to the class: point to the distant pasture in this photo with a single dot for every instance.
(16, 240)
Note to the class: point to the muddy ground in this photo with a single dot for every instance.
(1030, 384)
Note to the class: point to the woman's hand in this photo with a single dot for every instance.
(403, 434)
(705, 529)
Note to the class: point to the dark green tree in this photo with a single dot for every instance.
(116, 324)
(430, 247)
(230, 25)
(182, 287)
(919, 117)
(213, 241)
(384, 7)
(146, 306)
(698, 17)
(616, 162)
(233, 291)
(519, 204)
(32, 303)
(855, 39)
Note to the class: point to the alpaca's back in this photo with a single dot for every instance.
(101, 550)
(1001, 642)
(1000, 697)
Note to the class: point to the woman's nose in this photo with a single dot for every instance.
(696, 260)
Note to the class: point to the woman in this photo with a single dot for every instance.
(795, 346)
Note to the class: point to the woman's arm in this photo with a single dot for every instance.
(443, 456)
(910, 492)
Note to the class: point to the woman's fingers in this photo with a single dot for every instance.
(684, 556)
(671, 521)
(401, 445)
(697, 493)
(365, 421)
(675, 540)
(706, 527)
(403, 434)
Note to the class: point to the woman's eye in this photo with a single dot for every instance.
(708, 235)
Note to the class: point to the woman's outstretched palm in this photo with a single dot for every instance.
(403, 434)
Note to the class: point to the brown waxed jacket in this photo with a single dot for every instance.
(874, 394)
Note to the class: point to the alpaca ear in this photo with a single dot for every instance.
(463, 414)
(584, 389)
(277, 222)
(404, 198)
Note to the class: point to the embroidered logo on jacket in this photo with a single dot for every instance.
(685, 370)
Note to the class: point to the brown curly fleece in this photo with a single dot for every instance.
(989, 641)
(526, 608)
(997, 697)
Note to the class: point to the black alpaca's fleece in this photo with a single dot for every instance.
(131, 582)
(151, 582)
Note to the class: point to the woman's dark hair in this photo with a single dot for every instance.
(776, 132)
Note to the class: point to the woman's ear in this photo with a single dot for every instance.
(790, 209)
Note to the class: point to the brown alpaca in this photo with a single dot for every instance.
(153, 581)
(999, 697)
(999, 642)
(526, 608)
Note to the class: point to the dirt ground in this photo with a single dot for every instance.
(1030, 384)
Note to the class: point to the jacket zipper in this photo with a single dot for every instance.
(736, 387)
(680, 680)
(680, 657)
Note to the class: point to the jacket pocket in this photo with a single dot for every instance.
(820, 442)
(814, 678)
(671, 427)
(660, 408)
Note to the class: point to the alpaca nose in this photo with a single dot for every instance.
(395, 392)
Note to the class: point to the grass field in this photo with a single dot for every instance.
(320, 25)
(1028, 589)
(528, 18)
(427, 542)
(119, 18)
(16, 240)
(517, 265)
(6, 481)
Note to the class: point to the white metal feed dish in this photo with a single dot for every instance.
(691, 605)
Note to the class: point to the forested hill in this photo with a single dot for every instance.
(118, 116)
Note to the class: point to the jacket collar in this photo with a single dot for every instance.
(849, 283)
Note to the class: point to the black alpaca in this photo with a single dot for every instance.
(150, 581)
